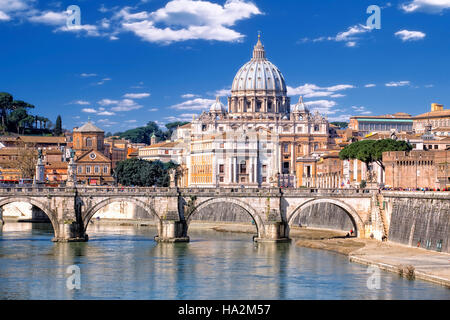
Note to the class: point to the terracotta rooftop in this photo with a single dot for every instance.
(88, 127)
(434, 114)
(398, 115)
(42, 139)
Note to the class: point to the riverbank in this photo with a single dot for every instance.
(412, 263)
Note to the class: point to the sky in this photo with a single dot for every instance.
(125, 63)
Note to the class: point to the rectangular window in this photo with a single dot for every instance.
(80, 169)
(88, 169)
(221, 168)
(221, 179)
(243, 168)
(286, 148)
(97, 169)
(264, 179)
(105, 169)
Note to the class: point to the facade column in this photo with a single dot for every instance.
(250, 168)
(230, 171)
(255, 173)
(235, 170)
(293, 158)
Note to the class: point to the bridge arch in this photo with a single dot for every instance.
(248, 209)
(90, 212)
(39, 204)
(354, 216)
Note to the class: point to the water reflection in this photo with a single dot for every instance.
(125, 263)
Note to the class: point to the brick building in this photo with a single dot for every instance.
(417, 169)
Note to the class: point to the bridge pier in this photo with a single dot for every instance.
(172, 231)
(70, 232)
(274, 232)
(1, 218)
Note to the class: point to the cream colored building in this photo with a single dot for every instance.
(256, 139)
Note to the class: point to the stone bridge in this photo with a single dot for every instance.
(272, 210)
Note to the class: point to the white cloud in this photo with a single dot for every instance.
(4, 16)
(322, 106)
(153, 109)
(189, 96)
(370, 85)
(398, 84)
(81, 102)
(88, 110)
(350, 36)
(431, 6)
(106, 113)
(137, 95)
(50, 18)
(90, 30)
(103, 81)
(123, 105)
(13, 5)
(406, 35)
(223, 92)
(313, 91)
(107, 102)
(195, 104)
(87, 75)
(182, 20)
(340, 118)
(361, 110)
(181, 117)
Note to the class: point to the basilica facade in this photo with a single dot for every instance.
(256, 140)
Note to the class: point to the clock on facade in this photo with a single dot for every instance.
(93, 156)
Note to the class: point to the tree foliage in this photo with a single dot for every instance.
(144, 134)
(15, 117)
(142, 173)
(174, 125)
(58, 126)
(369, 151)
(342, 125)
(26, 160)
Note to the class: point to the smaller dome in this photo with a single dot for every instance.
(300, 107)
(218, 107)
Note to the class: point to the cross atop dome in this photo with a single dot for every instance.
(258, 52)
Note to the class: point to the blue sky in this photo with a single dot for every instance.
(130, 62)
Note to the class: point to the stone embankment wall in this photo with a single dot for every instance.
(325, 216)
(23, 211)
(420, 220)
(223, 212)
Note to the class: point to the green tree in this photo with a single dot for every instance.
(141, 173)
(370, 151)
(174, 125)
(143, 134)
(58, 126)
(17, 119)
(6, 103)
(342, 125)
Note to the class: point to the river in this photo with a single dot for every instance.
(123, 262)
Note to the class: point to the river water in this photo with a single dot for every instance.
(125, 263)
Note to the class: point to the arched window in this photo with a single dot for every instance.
(88, 142)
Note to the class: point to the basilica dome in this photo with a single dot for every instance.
(218, 107)
(259, 74)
